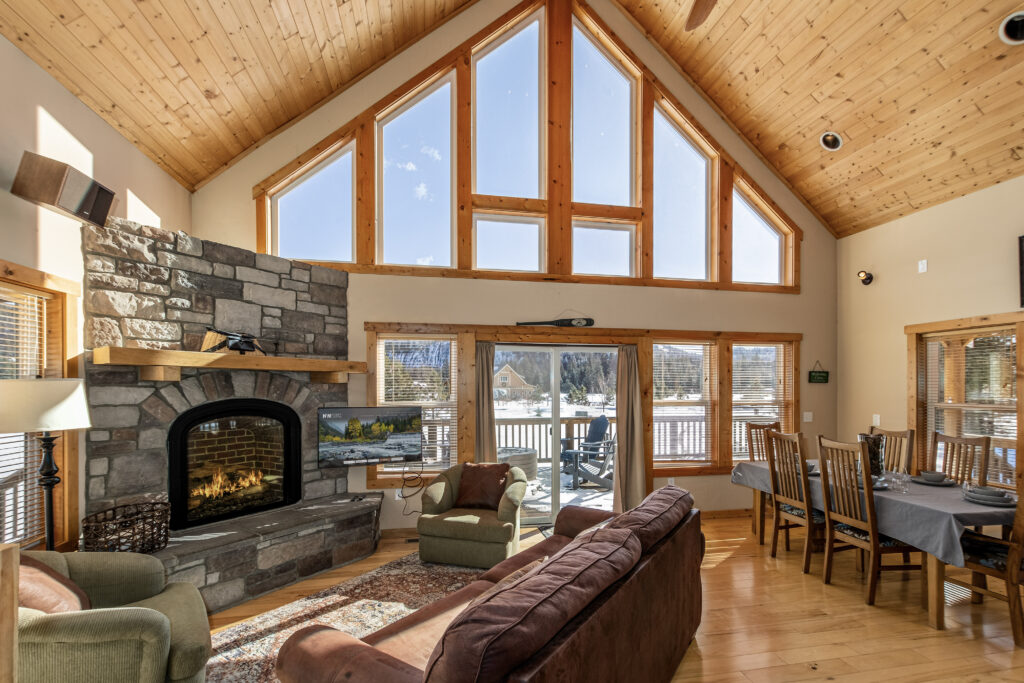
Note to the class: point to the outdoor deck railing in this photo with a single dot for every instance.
(676, 437)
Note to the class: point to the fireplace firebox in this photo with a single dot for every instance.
(232, 458)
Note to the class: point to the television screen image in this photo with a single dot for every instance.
(370, 436)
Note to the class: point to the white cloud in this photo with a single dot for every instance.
(431, 152)
(425, 260)
(421, 191)
(407, 166)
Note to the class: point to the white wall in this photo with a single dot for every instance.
(41, 116)
(224, 211)
(970, 244)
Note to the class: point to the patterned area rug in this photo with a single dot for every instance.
(247, 651)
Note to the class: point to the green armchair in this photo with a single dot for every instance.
(470, 537)
(140, 628)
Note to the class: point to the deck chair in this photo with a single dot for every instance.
(592, 458)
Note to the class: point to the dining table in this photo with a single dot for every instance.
(927, 517)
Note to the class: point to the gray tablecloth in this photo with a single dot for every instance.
(928, 517)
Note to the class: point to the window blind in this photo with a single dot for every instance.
(971, 390)
(685, 378)
(423, 372)
(23, 354)
(762, 390)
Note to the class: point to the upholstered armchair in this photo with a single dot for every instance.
(469, 536)
(138, 626)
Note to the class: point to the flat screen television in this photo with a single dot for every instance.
(369, 436)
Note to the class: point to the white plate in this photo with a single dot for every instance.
(919, 480)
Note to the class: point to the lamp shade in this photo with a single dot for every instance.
(42, 405)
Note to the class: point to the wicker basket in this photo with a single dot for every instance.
(136, 527)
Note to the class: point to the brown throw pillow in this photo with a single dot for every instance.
(482, 486)
(507, 581)
(42, 588)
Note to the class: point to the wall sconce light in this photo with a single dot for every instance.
(865, 277)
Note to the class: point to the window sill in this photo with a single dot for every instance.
(471, 274)
(679, 470)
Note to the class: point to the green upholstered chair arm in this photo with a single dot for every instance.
(515, 490)
(123, 644)
(115, 579)
(439, 496)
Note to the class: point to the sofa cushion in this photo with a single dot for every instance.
(412, 638)
(482, 486)
(546, 548)
(508, 580)
(658, 514)
(468, 525)
(47, 590)
(488, 640)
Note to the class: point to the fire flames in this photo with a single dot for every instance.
(221, 485)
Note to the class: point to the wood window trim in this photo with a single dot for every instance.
(917, 400)
(557, 206)
(467, 335)
(65, 293)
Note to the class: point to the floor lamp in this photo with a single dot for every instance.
(44, 405)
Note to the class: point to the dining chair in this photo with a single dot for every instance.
(850, 511)
(757, 448)
(964, 458)
(791, 500)
(1002, 559)
(897, 449)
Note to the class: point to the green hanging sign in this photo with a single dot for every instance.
(818, 374)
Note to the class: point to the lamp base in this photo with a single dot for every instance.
(47, 480)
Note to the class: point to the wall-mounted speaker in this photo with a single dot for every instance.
(56, 185)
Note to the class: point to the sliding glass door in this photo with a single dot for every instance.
(543, 432)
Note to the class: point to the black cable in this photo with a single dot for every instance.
(413, 481)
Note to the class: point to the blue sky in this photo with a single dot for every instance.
(752, 239)
(417, 210)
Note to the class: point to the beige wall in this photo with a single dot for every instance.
(38, 114)
(970, 244)
(224, 210)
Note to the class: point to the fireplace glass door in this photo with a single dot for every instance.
(231, 460)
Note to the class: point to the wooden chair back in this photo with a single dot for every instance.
(788, 469)
(842, 465)
(897, 449)
(757, 439)
(963, 458)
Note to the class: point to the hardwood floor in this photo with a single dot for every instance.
(766, 621)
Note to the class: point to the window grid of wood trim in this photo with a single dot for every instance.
(467, 335)
(556, 204)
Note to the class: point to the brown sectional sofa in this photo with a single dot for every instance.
(617, 603)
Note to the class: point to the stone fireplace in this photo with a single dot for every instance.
(231, 458)
(235, 451)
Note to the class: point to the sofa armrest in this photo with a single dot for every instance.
(115, 579)
(123, 644)
(439, 496)
(573, 519)
(512, 499)
(320, 654)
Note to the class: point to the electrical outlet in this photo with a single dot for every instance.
(671, 481)
(876, 420)
(398, 494)
(922, 266)
(808, 416)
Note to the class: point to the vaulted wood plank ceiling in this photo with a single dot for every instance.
(929, 101)
(925, 95)
(195, 83)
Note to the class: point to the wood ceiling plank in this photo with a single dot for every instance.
(277, 23)
(387, 25)
(335, 35)
(313, 26)
(50, 57)
(270, 60)
(355, 51)
(306, 51)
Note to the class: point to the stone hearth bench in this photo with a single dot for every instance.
(238, 559)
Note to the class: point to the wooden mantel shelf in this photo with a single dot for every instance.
(165, 366)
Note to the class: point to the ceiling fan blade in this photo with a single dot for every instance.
(699, 13)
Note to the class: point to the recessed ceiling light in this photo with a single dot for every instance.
(1011, 31)
(831, 141)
